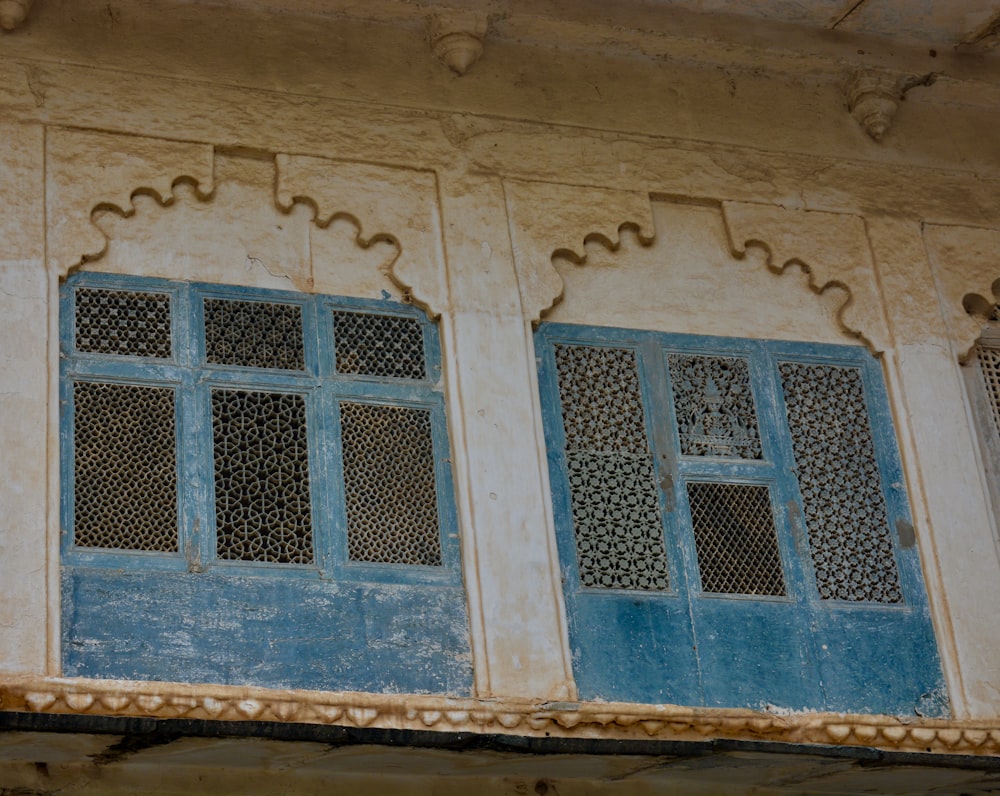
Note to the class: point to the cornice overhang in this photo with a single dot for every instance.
(504, 716)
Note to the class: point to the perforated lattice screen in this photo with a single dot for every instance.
(714, 406)
(616, 518)
(254, 334)
(379, 345)
(124, 467)
(845, 510)
(123, 322)
(389, 484)
(989, 366)
(262, 509)
(735, 537)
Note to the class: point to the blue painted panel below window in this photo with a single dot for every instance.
(754, 653)
(875, 659)
(634, 648)
(272, 632)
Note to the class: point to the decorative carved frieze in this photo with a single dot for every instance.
(547, 219)
(832, 248)
(604, 720)
(457, 38)
(14, 12)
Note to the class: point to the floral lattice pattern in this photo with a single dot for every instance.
(379, 345)
(616, 516)
(845, 510)
(123, 322)
(262, 504)
(124, 467)
(254, 334)
(391, 497)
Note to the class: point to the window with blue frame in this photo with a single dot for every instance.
(256, 489)
(733, 525)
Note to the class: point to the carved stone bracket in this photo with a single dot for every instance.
(457, 38)
(384, 203)
(831, 248)
(14, 12)
(873, 97)
(547, 219)
(86, 171)
(966, 266)
(604, 720)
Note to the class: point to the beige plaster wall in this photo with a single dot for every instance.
(763, 210)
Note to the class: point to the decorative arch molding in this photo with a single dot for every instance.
(832, 248)
(89, 171)
(966, 266)
(548, 219)
(385, 203)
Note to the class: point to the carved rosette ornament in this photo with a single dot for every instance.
(13, 12)
(457, 38)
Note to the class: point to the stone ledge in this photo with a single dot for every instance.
(592, 720)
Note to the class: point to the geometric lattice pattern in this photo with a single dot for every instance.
(379, 345)
(124, 467)
(389, 484)
(601, 400)
(616, 519)
(262, 508)
(123, 322)
(616, 514)
(989, 367)
(714, 406)
(254, 334)
(845, 510)
(735, 538)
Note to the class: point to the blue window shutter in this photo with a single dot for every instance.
(747, 439)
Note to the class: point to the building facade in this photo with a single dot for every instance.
(604, 375)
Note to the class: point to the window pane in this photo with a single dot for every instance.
(845, 511)
(124, 467)
(254, 334)
(736, 540)
(392, 514)
(123, 322)
(379, 345)
(262, 509)
(714, 405)
(616, 517)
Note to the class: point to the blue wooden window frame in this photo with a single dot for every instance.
(323, 388)
(687, 646)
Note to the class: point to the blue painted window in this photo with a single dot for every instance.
(733, 525)
(256, 489)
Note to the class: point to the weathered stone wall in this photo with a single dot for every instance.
(335, 154)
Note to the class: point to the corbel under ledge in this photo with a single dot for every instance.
(14, 12)
(873, 96)
(518, 717)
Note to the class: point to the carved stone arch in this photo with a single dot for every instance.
(832, 248)
(92, 171)
(87, 171)
(548, 219)
(966, 266)
(386, 203)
